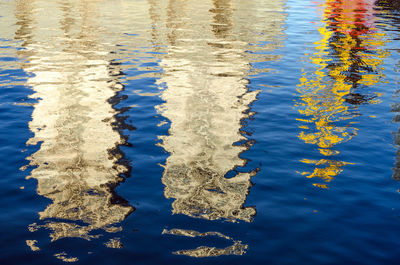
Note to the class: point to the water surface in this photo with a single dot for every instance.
(200, 132)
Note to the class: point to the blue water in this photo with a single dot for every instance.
(200, 132)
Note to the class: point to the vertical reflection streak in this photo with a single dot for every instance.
(202, 104)
(75, 82)
(206, 100)
(204, 79)
(347, 59)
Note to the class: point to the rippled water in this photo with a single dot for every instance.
(200, 132)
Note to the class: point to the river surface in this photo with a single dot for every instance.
(200, 132)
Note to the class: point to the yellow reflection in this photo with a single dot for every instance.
(74, 79)
(347, 57)
(206, 100)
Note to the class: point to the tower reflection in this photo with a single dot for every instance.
(76, 82)
(204, 76)
(347, 59)
(206, 100)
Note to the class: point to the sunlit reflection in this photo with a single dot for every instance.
(206, 100)
(348, 58)
(75, 81)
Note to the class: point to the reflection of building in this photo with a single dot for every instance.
(74, 79)
(206, 100)
(348, 58)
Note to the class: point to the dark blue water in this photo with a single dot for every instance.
(200, 132)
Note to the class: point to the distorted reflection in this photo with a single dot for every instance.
(348, 58)
(75, 81)
(203, 251)
(206, 100)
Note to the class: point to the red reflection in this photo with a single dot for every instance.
(353, 17)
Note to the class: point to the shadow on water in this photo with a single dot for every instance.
(206, 101)
(76, 82)
(347, 59)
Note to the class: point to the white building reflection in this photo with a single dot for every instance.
(70, 49)
(75, 80)
(206, 100)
